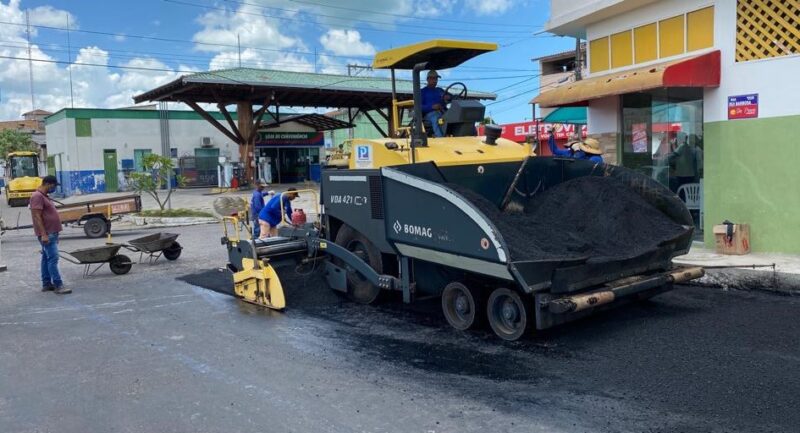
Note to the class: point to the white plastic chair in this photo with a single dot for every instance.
(693, 197)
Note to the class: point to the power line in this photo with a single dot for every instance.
(350, 19)
(400, 15)
(161, 39)
(428, 33)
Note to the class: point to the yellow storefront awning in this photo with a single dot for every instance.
(698, 71)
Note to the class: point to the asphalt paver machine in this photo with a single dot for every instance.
(393, 221)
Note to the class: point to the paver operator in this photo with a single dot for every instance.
(270, 215)
(434, 100)
(47, 226)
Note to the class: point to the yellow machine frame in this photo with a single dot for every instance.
(439, 53)
(257, 283)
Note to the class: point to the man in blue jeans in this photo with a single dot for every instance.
(256, 204)
(47, 226)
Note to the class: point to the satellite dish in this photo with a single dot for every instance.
(228, 206)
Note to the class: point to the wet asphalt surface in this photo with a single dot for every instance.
(147, 352)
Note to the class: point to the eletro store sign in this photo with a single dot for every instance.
(290, 139)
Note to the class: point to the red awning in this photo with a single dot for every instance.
(698, 71)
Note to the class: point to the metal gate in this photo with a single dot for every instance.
(199, 170)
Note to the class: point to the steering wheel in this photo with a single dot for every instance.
(460, 95)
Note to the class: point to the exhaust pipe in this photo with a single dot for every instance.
(573, 304)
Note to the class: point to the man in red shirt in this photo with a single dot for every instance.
(47, 226)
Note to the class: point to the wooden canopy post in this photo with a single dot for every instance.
(244, 110)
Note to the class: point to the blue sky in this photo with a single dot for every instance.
(121, 48)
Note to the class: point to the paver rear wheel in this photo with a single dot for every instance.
(95, 227)
(120, 264)
(509, 315)
(359, 289)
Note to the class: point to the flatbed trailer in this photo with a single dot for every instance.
(94, 215)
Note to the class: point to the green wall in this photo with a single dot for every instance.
(752, 175)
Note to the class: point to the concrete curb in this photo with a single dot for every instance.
(154, 222)
(752, 280)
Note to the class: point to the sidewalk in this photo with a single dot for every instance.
(739, 272)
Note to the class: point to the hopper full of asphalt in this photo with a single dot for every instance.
(594, 217)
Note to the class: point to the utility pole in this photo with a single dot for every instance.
(357, 68)
(315, 60)
(239, 48)
(578, 59)
(30, 58)
(69, 67)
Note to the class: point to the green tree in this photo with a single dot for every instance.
(15, 141)
(487, 121)
(157, 170)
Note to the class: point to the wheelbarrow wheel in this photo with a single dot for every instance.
(120, 264)
(173, 251)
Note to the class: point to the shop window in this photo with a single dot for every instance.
(700, 29)
(662, 137)
(83, 127)
(621, 49)
(645, 43)
(670, 36)
(598, 55)
(767, 28)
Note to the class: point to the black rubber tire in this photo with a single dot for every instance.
(509, 315)
(462, 306)
(173, 251)
(95, 227)
(358, 288)
(120, 264)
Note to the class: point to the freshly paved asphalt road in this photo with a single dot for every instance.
(145, 352)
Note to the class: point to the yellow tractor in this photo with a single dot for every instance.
(22, 177)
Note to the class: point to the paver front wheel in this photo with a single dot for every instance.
(120, 264)
(173, 251)
(95, 227)
(509, 315)
(359, 289)
(462, 306)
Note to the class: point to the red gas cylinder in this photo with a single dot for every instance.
(298, 217)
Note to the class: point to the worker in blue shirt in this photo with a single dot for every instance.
(551, 142)
(256, 204)
(434, 102)
(589, 149)
(270, 215)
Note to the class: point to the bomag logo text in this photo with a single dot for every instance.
(411, 229)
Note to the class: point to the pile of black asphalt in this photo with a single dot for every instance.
(592, 216)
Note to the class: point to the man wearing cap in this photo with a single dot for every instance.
(256, 204)
(270, 215)
(551, 143)
(433, 102)
(47, 226)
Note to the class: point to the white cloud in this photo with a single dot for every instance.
(51, 17)
(220, 30)
(490, 7)
(98, 85)
(433, 8)
(346, 43)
